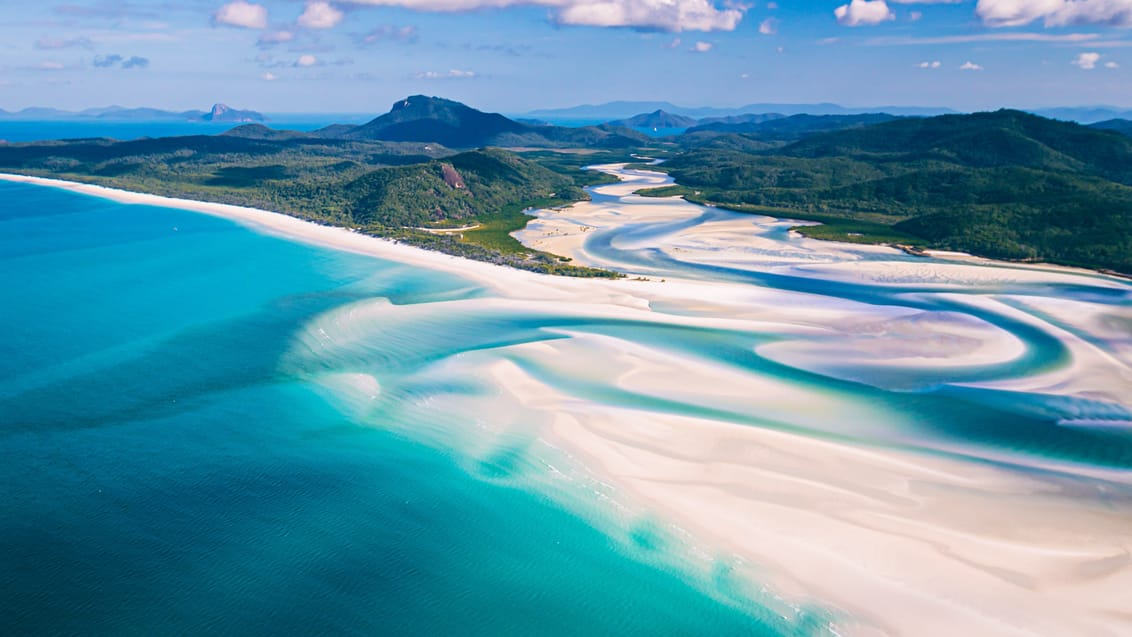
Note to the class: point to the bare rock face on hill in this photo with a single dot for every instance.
(451, 177)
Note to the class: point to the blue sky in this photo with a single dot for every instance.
(518, 55)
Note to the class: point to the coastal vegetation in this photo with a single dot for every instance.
(399, 190)
(1005, 185)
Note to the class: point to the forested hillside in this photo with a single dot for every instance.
(392, 189)
(1005, 184)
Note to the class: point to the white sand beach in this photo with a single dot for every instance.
(903, 542)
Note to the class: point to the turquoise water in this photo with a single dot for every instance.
(172, 467)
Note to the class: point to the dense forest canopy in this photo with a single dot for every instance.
(1005, 184)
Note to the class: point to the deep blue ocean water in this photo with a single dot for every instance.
(15, 130)
(165, 473)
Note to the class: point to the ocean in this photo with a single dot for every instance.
(18, 130)
(169, 468)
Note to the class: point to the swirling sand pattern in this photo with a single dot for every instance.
(931, 445)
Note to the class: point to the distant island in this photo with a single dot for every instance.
(218, 113)
(1008, 184)
(625, 110)
(656, 119)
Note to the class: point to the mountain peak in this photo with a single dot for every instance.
(224, 113)
(420, 118)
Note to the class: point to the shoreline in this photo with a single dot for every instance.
(912, 250)
(295, 229)
(834, 522)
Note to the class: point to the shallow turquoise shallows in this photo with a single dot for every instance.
(164, 473)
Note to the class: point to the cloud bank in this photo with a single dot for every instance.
(663, 15)
(1055, 13)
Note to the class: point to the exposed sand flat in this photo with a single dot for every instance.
(956, 275)
(1098, 340)
(906, 544)
(775, 470)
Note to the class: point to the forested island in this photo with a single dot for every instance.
(442, 175)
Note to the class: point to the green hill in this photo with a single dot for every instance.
(1005, 184)
(795, 127)
(1001, 138)
(656, 119)
(403, 190)
(453, 189)
(1122, 126)
(432, 119)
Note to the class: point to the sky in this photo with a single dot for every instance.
(512, 56)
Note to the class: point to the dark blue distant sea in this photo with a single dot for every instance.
(15, 130)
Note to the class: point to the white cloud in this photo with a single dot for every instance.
(863, 12)
(1055, 13)
(674, 44)
(926, 1)
(320, 15)
(701, 47)
(666, 15)
(452, 74)
(242, 14)
(269, 76)
(51, 66)
(935, 64)
(970, 66)
(768, 26)
(306, 60)
(1111, 65)
(1087, 61)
